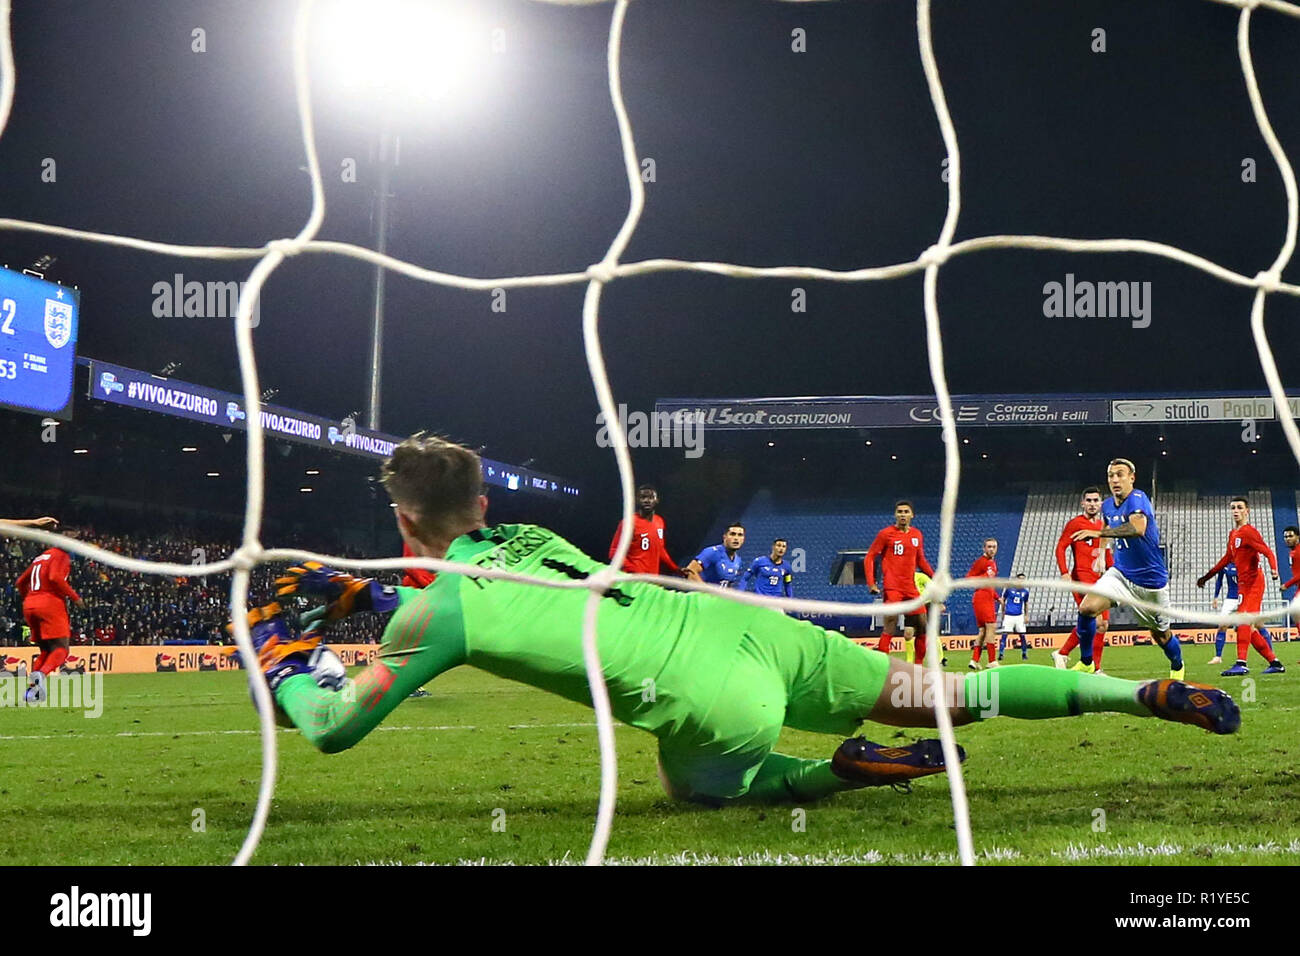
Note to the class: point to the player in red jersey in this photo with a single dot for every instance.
(1245, 547)
(648, 552)
(1291, 536)
(901, 549)
(415, 577)
(1091, 559)
(45, 591)
(985, 602)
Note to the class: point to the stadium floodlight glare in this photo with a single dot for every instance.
(188, 448)
(81, 451)
(413, 50)
(214, 474)
(313, 471)
(397, 57)
(305, 490)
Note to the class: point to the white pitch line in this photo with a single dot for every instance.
(285, 730)
(1073, 853)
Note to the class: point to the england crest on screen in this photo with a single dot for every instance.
(58, 322)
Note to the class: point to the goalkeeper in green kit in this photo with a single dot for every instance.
(725, 677)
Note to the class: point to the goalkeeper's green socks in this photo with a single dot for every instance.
(1025, 693)
(1035, 693)
(784, 778)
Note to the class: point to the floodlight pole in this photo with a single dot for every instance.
(388, 155)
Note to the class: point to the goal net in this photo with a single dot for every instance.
(596, 276)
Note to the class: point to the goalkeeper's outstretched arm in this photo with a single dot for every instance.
(419, 644)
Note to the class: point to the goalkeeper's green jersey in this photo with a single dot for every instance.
(665, 654)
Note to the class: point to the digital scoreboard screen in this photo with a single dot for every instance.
(38, 343)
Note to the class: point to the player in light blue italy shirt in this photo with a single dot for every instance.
(1139, 573)
(719, 564)
(770, 573)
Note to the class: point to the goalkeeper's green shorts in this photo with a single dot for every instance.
(784, 672)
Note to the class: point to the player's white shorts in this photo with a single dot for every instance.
(1013, 624)
(1230, 605)
(1120, 589)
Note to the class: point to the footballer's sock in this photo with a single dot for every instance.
(1070, 644)
(1263, 631)
(1098, 645)
(53, 659)
(975, 652)
(782, 777)
(1265, 649)
(920, 649)
(1173, 649)
(909, 648)
(1002, 646)
(1243, 642)
(1034, 693)
(885, 639)
(40, 661)
(1087, 631)
(1219, 640)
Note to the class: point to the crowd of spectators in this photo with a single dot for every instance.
(124, 607)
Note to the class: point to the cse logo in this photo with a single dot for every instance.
(931, 414)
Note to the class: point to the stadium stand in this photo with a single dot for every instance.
(128, 608)
(125, 608)
(818, 530)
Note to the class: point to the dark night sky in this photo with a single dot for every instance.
(763, 156)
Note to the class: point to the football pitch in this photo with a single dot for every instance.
(484, 770)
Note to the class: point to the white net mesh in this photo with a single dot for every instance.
(251, 552)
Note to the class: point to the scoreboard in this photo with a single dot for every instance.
(38, 343)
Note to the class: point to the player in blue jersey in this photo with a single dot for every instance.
(770, 573)
(1139, 572)
(1226, 581)
(719, 564)
(1014, 602)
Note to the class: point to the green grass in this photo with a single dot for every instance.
(122, 789)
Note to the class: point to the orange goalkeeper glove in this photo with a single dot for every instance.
(343, 593)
